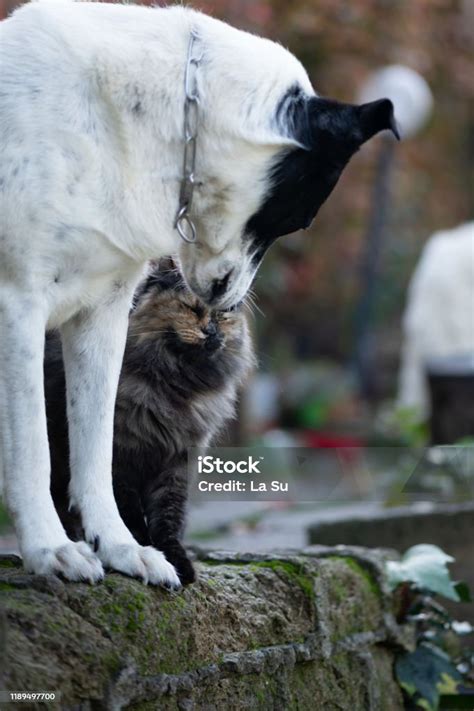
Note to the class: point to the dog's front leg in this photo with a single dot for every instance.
(44, 544)
(93, 345)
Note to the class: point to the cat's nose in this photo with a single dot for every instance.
(214, 339)
(210, 329)
(219, 286)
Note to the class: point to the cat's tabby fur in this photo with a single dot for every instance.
(182, 368)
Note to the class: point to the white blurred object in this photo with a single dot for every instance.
(439, 317)
(279, 438)
(410, 93)
(261, 399)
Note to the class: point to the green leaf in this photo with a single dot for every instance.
(425, 566)
(461, 628)
(447, 684)
(425, 673)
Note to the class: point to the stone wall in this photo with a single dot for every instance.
(312, 630)
(449, 526)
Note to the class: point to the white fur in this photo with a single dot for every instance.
(439, 318)
(88, 193)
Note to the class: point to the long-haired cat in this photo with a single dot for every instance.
(182, 369)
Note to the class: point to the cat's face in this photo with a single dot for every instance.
(181, 321)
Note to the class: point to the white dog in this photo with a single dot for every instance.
(439, 317)
(92, 100)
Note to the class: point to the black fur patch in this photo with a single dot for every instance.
(301, 179)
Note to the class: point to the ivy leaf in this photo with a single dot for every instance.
(425, 566)
(425, 674)
(461, 628)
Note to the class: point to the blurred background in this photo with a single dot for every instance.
(329, 320)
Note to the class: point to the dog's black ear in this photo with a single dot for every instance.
(348, 125)
(329, 133)
(377, 116)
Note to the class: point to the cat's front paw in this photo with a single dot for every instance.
(178, 557)
(72, 561)
(138, 561)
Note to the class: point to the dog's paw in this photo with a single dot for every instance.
(72, 561)
(142, 562)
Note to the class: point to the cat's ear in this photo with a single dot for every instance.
(164, 265)
(163, 275)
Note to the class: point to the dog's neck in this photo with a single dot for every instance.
(142, 86)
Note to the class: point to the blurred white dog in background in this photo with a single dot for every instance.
(439, 317)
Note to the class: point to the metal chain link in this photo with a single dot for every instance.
(183, 222)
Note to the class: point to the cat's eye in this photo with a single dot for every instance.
(196, 309)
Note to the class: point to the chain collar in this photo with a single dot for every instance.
(183, 222)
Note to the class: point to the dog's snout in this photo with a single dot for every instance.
(219, 286)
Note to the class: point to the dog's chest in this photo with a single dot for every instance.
(81, 283)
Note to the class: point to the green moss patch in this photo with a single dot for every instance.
(362, 571)
(6, 586)
(295, 572)
(6, 562)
